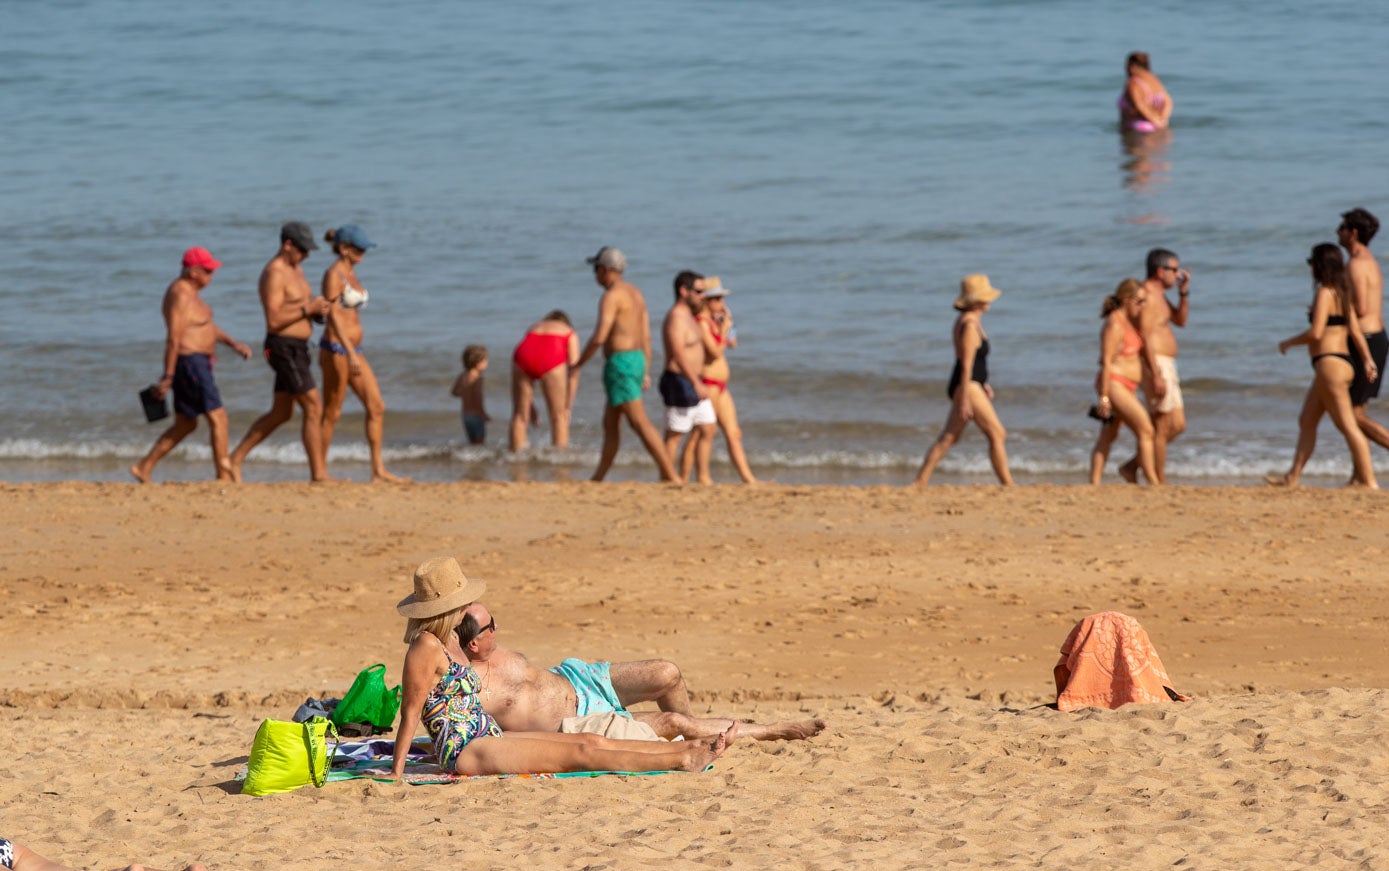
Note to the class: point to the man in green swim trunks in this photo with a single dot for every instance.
(624, 334)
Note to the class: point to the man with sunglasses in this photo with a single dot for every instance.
(1357, 228)
(688, 404)
(523, 698)
(1161, 387)
(290, 310)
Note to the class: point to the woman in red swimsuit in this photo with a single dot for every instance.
(716, 327)
(547, 354)
(1121, 370)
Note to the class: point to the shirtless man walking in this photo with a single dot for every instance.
(192, 336)
(688, 404)
(624, 335)
(1161, 386)
(521, 697)
(290, 308)
(1357, 228)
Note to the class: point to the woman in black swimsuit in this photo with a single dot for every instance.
(1332, 324)
(970, 394)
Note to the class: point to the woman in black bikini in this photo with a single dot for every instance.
(971, 397)
(1332, 324)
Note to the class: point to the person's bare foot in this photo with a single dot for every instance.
(701, 754)
(387, 478)
(234, 470)
(1279, 481)
(791, 731)
(139, 474)
(1129, 471)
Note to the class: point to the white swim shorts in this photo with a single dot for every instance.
(685, 419)
(1172, 400)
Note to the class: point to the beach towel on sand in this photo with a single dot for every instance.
(1108, 661)
(373, 759)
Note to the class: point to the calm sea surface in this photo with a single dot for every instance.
(839, 165)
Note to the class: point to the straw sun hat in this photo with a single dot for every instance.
(440, 586)
(975, 289)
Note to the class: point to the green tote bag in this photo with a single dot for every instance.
(369, 701)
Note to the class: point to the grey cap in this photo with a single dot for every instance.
(299, 233)
(609, 257)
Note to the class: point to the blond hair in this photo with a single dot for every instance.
(440, 625)
(1127, 290)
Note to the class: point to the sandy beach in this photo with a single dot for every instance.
(146, 631)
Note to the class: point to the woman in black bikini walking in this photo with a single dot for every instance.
(1332, 324)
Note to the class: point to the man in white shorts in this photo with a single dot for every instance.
(1160, 385)
(687, 399)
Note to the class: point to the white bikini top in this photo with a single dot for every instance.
(353, 297)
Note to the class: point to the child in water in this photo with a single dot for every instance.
(468, 387)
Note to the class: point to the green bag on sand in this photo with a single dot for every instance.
(286, 756)
(369, 701)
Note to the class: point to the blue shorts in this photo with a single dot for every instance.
(593, 686)
(475, 427)
(195, 392)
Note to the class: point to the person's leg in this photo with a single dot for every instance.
(1099, 454)
(670, 725)
(635, 413)
(1307, 422)
(1134, 414)
(954, 426)
(167, 441)
(280, 412)
(1166, 427)
(544, 752)
(311, 433)
(555, 387)
(368, 391)
(672, 444)
(217, 422)
(335, 382)
(1373, 429)
(1333, 387)
(687, 457)
(521, 399)
(612, 440)
(727, 414)
(704, 450)
(986, 418)
(650, 680)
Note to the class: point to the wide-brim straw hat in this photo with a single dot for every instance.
(975, 289)
(440, 586)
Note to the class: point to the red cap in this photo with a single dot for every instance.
(196, 256)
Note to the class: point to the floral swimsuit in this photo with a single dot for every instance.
(453, 714)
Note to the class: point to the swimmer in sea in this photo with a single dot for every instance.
(1144, 106)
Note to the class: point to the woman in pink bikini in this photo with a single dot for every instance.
(547, 354)
(1144, 106)
(1121, 371)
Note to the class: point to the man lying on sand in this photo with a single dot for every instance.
(523, 698)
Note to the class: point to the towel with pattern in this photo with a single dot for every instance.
(1108, 661)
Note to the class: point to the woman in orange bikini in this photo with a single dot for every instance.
(1121, 370)
(716, 326)
(547, 354)
(1331, 326)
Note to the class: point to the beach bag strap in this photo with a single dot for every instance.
(320, 760)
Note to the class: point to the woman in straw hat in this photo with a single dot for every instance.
(971, 397)
(442, 689)
(1121, 371)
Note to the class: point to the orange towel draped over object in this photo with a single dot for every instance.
(1108, 661)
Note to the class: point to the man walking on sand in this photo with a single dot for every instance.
(1161, 387)
(1357, 228)
(624, 335)
(290, 309)
(688, 403)
(523, 698)
(191, 338)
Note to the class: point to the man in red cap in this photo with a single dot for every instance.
(192, 337)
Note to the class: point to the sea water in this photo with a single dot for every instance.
(840, 166)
